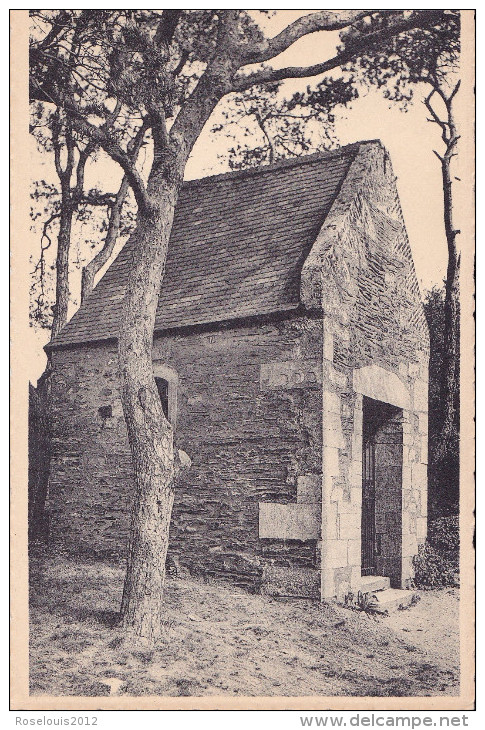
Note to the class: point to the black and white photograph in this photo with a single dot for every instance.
(244, 349)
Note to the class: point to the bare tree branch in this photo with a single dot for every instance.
(435, 118)
(118, 154)
(454, 92)
(57, 151)
(323, 20)
(89, 272)
(91, 269)
(364, 41)
(183, 60)
(60, 26)
(88, 150)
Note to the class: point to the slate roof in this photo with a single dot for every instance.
(237, 247)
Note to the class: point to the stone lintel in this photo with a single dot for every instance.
(382, 385)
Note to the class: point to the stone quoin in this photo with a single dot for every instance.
(291, 356)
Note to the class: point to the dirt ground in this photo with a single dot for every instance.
(221, 640)
(431, 625)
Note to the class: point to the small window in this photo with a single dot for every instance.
(166, 380)
(162, 387)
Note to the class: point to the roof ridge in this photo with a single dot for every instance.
(284, 162)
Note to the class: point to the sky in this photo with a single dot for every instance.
(409, 138)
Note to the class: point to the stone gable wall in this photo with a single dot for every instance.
(376, 344)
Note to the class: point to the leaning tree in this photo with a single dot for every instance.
(168, 70)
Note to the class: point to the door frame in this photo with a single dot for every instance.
(341, 559)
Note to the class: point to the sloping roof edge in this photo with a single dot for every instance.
(210, 325)
(279, 164)
(323, 259)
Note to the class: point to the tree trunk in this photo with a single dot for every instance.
(91, 269)
(62, 270)
(87, 280)
(451, 349)
(450, 386)
(149, 433)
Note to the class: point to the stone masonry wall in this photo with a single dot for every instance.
(248, 411)
(91, 476)
(375, 344)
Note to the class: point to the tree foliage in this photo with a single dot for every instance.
(420, 56)
(264, 125)
(428, 59)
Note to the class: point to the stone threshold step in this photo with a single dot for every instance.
(373, 583)
(392, 599)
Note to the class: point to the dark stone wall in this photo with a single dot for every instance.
(248, 444)
(91, 475)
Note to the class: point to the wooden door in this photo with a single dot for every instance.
(368, 533)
